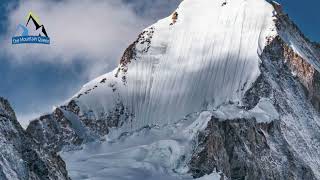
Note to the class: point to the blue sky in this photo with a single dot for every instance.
(37, 83)
(306, 15)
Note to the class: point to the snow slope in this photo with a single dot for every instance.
(207, 58)
(153, 152)
(149, 153)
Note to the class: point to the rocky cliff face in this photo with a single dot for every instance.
(307, 75)
(243, 149)
(68, 128)
(298, 58)
(246, 149)
(22, 158)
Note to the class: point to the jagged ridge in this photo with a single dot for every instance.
(21, 157)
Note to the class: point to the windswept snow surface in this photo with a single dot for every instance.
(151, 153)
(209, 57)
(263, 112)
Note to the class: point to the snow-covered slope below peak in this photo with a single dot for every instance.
(205, 55)
(150, 153)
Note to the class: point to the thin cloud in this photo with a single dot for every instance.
(92, 31)
(96, 32)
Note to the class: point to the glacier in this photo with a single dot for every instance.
(149, 153)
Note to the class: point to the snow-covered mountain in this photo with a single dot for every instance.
(205, 59)
(22, 158)
(224, 87)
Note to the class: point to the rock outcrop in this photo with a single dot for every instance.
(68, 128)
(298, 61)
(245, 149)
(21, 157)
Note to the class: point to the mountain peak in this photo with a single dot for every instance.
(204, 55)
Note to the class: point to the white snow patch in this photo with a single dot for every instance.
(198, 125)
(150, 153)
(263, 112)
(212, 176)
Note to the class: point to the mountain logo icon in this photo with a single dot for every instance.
(32, 32)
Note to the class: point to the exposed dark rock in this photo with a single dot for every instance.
(240, 148)
(22, 158)
(103, 80)
(259, 89)
(174, 18)
(130, 53)
(68, 127)
(224, 3)
(54, 131)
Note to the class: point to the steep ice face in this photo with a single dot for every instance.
(206, 56)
